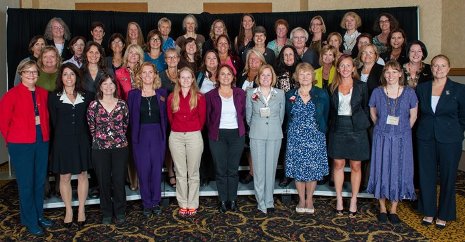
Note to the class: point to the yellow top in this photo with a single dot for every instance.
(319, 76)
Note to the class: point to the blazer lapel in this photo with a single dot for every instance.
(446, 95)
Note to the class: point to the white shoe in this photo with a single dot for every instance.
(310, 210)
(300, 210)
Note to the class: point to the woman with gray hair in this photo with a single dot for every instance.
(190, 26)
(299, 37)
(57, 34)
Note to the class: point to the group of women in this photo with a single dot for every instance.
(314, 95)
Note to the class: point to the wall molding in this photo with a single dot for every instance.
(457, 72)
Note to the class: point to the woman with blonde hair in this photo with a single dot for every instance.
(49, 63)
(350, 22)
(148, 121)
(265, 108)
(186, 110)
(217, 28)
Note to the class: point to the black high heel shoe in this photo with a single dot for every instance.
(81, 223)
(68, 225)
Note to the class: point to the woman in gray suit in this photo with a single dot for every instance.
(265, 108)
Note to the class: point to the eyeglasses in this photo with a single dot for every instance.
(155, 39)
(170, 57)
(57, 28)
(34, 73)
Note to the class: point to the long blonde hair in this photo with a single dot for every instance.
(337, 78)
(194, 91)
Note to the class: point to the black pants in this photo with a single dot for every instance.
(226, 152)
(110, 168)
(445, 156)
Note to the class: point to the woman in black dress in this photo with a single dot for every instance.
(71, 142)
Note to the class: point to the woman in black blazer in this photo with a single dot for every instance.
(370, 72)
(71, 143)
(440, 135)
(348, 136)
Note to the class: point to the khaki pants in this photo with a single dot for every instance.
(186, 149)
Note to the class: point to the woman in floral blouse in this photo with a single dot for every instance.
(108, 121)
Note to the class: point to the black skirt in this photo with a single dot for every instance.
(347, 143)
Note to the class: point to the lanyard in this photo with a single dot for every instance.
(392, 110)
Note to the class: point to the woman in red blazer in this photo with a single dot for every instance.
(25, 127)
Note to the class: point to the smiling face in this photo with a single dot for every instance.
(189, 25)
(346, 68)
(288, 56)
(117, 45)
(171, 59)
(155, 42)
(335, 42)
(298, 39)
(218, 28)
(133, 56)
(440, 68)
(58, 31)
(415, 53)
(222, 45)
(259, 39)
(78, 47)
(164, 29)
(97, 34)
(93, 55)
(148, 75)
(384, 23)
(133, 32)
(247, 23)
(368, 55)
(392, 76)
(328, 57)
(397, 40)
(185, 79)
(191, 48)
(266, 78)
(281, 31)
(69, 78)
(305, 78)
(350, 23)
(49, 59)
(108, 87)
(29, 76)
(38, 46)
(225, 76)
(362, 41)
(316, 26)
(211, 61)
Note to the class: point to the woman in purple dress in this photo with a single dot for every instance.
(393, 109)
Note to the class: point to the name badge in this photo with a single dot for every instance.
(392, 120)
(265, 112)
(37, 120)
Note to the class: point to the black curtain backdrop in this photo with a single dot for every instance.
(23, 24)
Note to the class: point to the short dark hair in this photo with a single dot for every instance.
(393, 23)
(113, 37)
(34, 41)
(96, 24)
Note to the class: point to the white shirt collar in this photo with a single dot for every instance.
(64, 99)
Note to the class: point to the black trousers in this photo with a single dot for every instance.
(226, 152)
(110, 168)
(445, 156)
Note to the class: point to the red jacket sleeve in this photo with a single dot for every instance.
(202, 105)
(6, 112)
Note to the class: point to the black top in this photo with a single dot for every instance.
(374, 78)
(149, 110)
(66, 53)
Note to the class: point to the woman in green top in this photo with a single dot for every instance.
(49, 63)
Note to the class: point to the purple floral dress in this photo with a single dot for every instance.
(108, 130)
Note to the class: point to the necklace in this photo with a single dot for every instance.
(149, 100)
(173, 79)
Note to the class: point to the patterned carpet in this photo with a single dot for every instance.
(246, 225)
